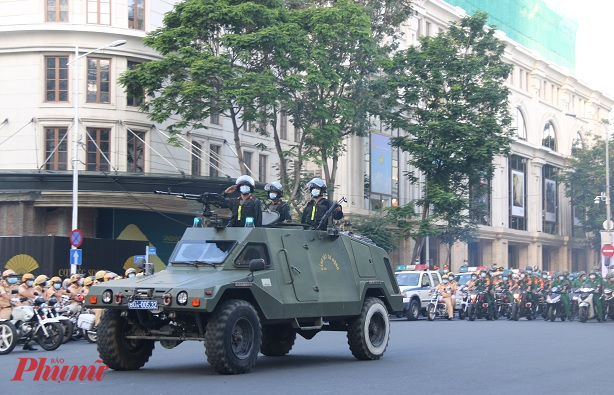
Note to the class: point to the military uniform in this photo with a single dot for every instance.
(484, 284)
(564, 287)
(597, 284)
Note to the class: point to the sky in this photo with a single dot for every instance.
(594, 41)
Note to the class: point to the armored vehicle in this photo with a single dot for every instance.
(248, 290)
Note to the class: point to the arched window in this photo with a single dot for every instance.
(518, 124)
(577, 143)
(549, 139)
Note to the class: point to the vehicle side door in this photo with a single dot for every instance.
(425, 288)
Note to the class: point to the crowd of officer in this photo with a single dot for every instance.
(536, 285)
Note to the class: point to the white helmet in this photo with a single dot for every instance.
(275, 187)
(245, 179)
(317, 182)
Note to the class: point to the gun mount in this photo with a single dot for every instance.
(207, 199)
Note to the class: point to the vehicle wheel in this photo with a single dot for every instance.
(115, 350)
(89, 335)
(8, 337)
(497, 312)
(413, 313)
(552, 313)
(277, 340)
(515, 312)
(430, 312)
(583, 313)
(461, 314)
(233, 337)
(68, 327)
(471, 313)
(369, 332)
(54, 337)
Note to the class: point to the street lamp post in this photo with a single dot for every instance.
(76, 135)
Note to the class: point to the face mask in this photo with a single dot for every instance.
(131, 275)
(30, 283)
(505, 279)
(571, 277)
(315, 192)
(12, 280)
(80, 282)
(522, 276)
(272, 196)
(473, 277)
(561, 277)
(57, 286)
(244, 189)
(445, 271)
(593, 277)
(445, 281)
(483, 275)
(544, 276)
(529, 272)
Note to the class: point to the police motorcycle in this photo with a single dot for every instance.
(55, 311)
(30, 323)
(503, 306)
(478, 307)
(574, 303)
(436, 306)
(608, 304)
(464, 302)
(85, 322)
(522, 307)
(555, 306)
(586, 307)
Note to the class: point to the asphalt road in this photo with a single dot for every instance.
(481, 357)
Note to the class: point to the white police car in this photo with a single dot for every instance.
(415, 286)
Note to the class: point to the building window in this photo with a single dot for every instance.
(57, 10)
(98, 80)
(550, 199)
(519, 125)
(56, 154)
(56, 78)
(480, 201)
(517, 195)
(135, 152)
(549, 139)
(136, 14)
(99, 12)
(577, 143)
(214, 160)
(262, 167)
(98, 149)
(283, 126)
(214, 118)
(247, 159)
(133, 100)
(197, 150)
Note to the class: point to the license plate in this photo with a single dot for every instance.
(143, 304)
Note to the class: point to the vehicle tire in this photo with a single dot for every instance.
(233, 337)
(54, 337)
(413, 312)
(461, 314)
(471, 313)
(277, 340)
(68, 327)
(430, 312)
(552, 313)
(89, 335)
(8, 337)
(515, 314)
(115, 350)
(583, 313)
(368, 333)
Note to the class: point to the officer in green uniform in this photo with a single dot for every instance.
(595, 281)
(484, 284)
(562, 283)
(609, 284)
(579, 281)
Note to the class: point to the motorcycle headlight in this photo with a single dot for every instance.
(107, 296)
(516, 296)
(182, 298)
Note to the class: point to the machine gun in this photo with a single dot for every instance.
(328, 216)
(207, 199)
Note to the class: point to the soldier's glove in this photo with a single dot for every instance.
(14, 291)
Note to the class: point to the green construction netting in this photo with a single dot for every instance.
(531, 23)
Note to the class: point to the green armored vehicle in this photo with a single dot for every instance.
(248, 290)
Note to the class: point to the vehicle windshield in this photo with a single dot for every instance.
(463, 278)
(408, 279)
(212, 252)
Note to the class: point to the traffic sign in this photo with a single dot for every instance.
(607, 250)
(151, 251)
(137, 257)
(76, 256)
(76, 238)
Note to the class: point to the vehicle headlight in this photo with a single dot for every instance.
(182, 298)
(107, 296)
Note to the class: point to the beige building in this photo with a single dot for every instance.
(530, 219)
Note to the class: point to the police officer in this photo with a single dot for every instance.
(564, 285)
(99, 276)
(483, 283)
(595, 281)
(447, 291)
(579, 280)
(245, 205)
(26, 289)
(109, 276)
(55, 289)
(130, 273)
(318, 205)
(7, 289)
(40, 284)
(276, 191)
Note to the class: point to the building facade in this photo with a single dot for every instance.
(44, 57)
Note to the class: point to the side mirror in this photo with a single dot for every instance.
(256, 265)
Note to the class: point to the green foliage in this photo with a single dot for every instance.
(448, 95)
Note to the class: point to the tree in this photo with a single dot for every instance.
(449, 98)
(215, 61)
(584, 179)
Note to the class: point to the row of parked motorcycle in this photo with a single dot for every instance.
(546, 304)
(50, 323)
